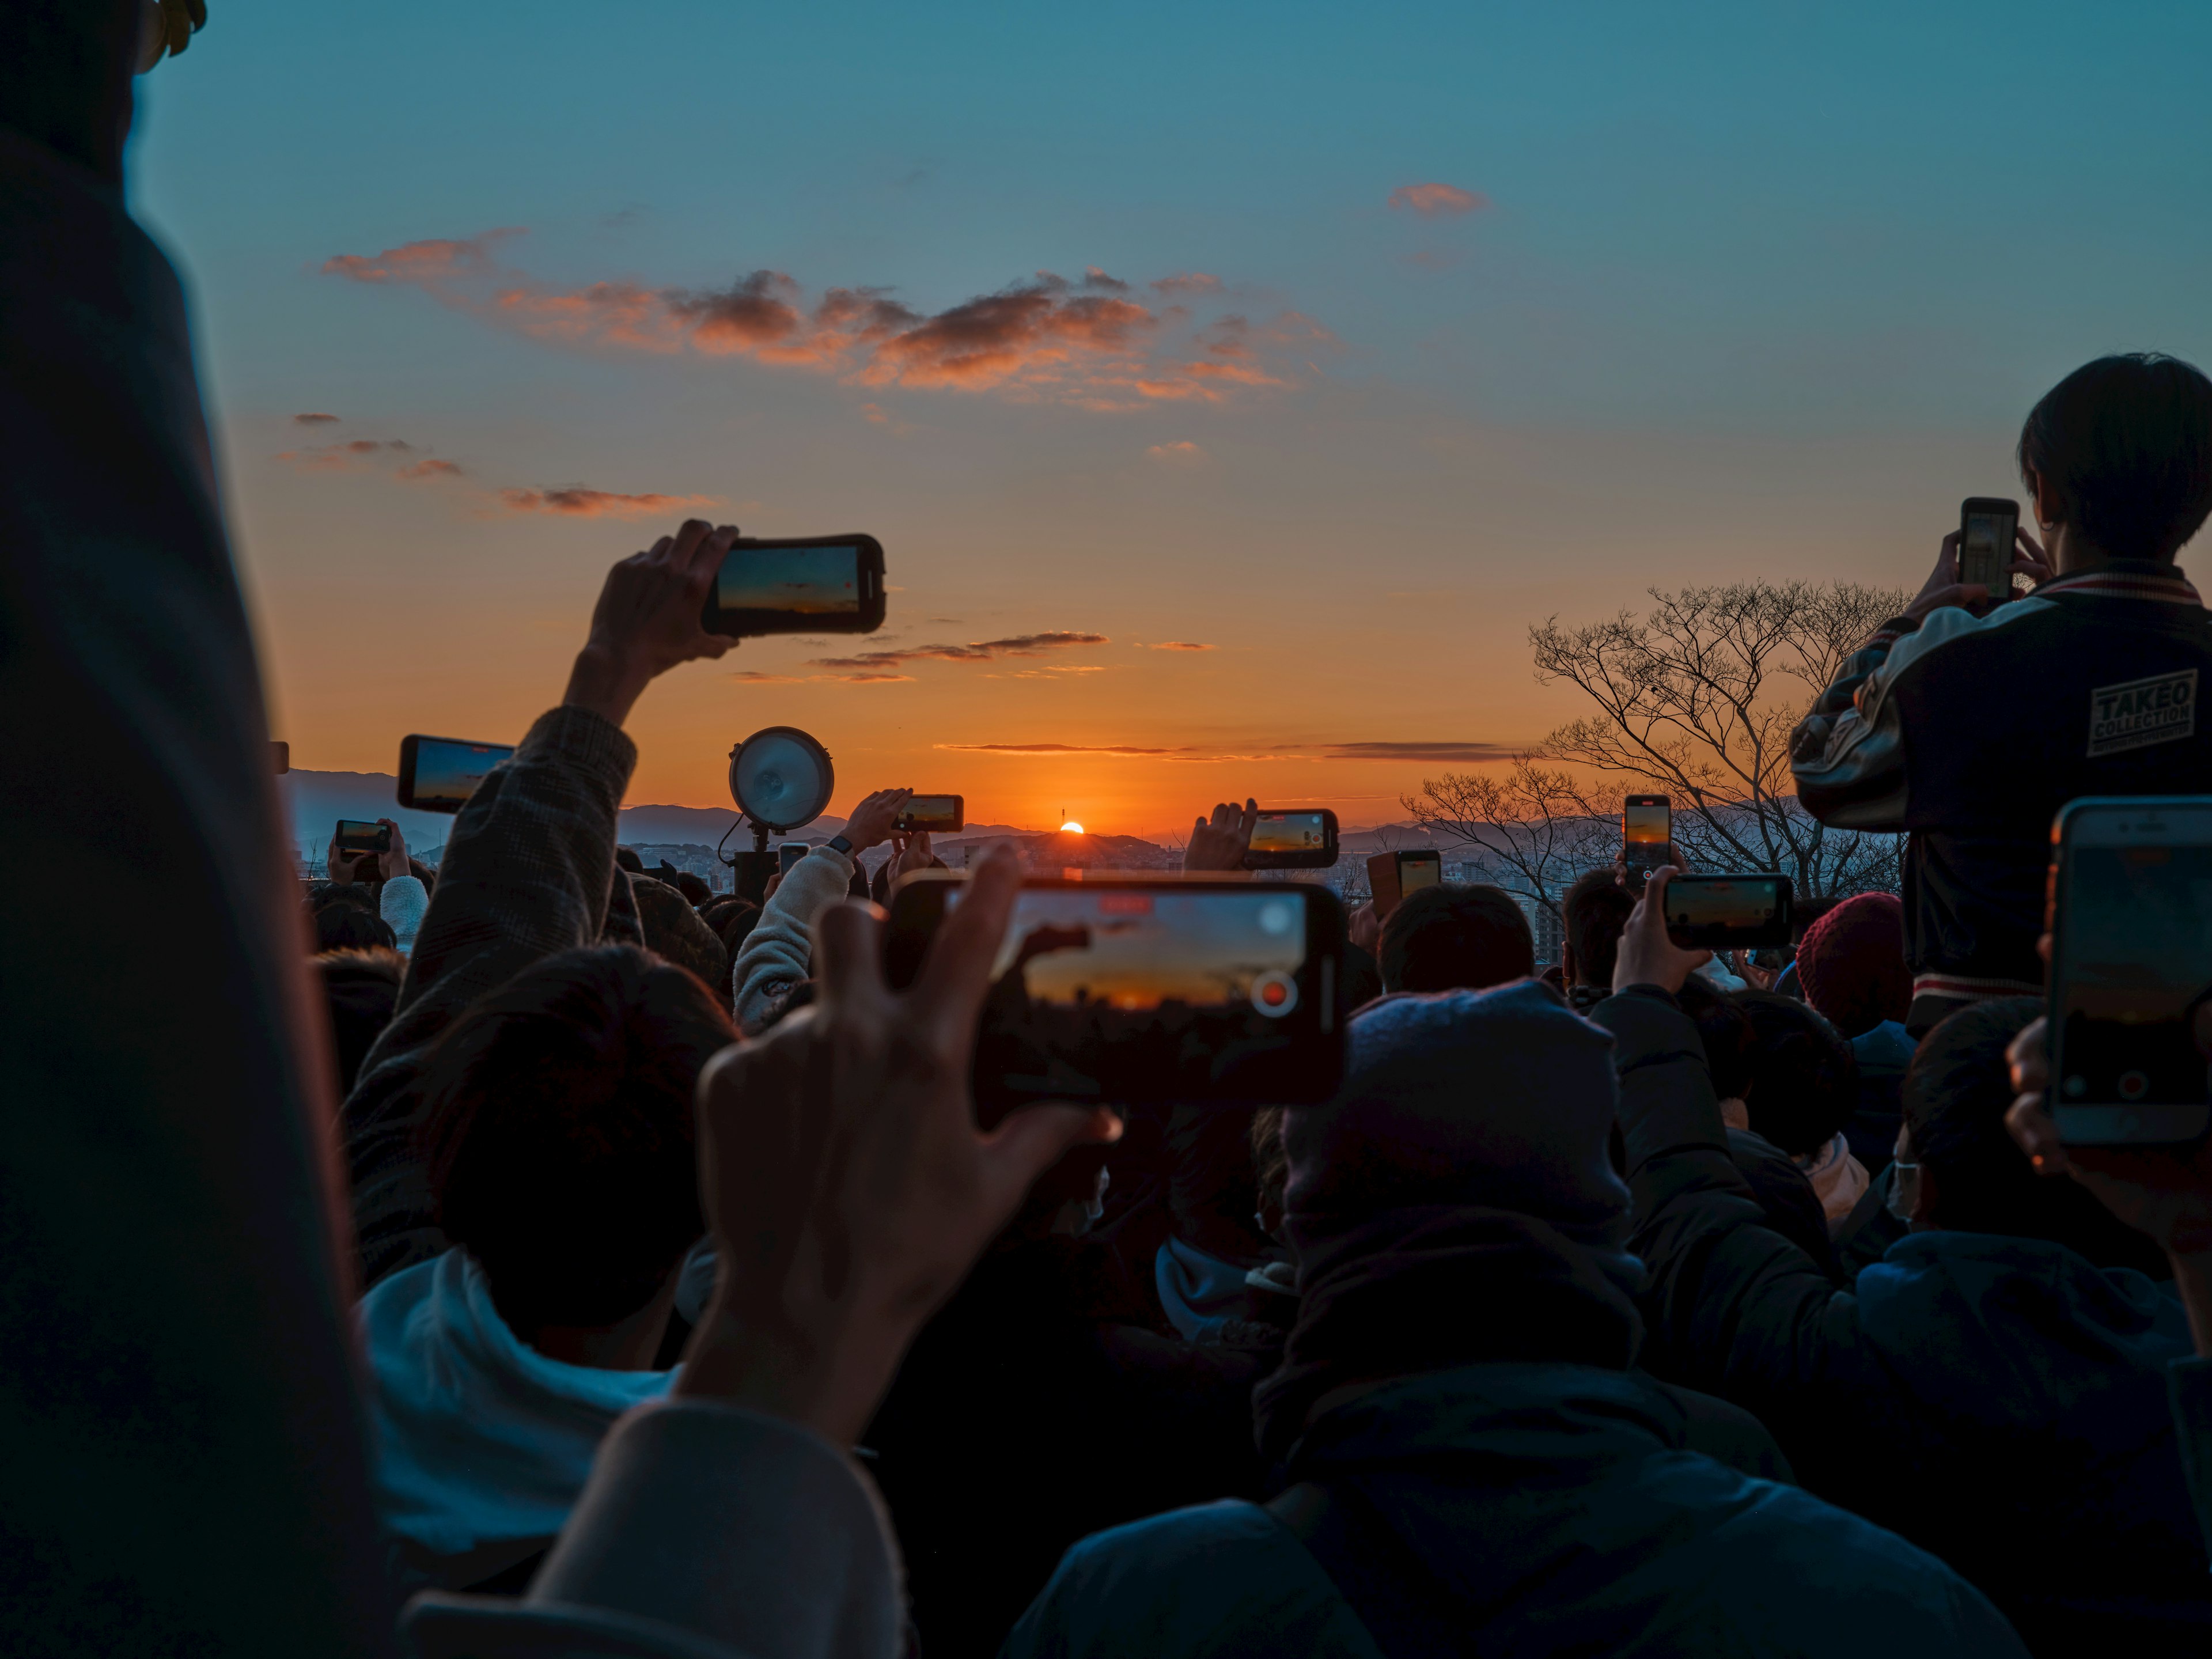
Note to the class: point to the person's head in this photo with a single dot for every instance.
(1595, 910)
(673, 929)
(1851, 963)
(346, 926)
(626, 858)
(559, 1134)
(1446, 938)
(733, 924)
(362, 988)
(695, 890)
(1972, 1176)
(2118, 456)
(1796, 1075)
(1804, 912)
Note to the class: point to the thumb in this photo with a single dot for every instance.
(1032, 1140)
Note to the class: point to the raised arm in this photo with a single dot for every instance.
(529, 870)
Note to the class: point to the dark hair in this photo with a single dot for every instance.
(673, 929)
(559, 1134)
(345, 926)
(1956, 1093)
(1797, 1076)
(2124, 447)
(361, 988)
(1447, 939)
(1595, 910)
(733, 923)
(693, 889)
(626, 858)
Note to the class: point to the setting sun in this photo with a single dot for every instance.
(1071, 828)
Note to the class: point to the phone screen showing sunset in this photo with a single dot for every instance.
(808, 582)
(1289, 832)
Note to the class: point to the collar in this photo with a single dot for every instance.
(2127, 579)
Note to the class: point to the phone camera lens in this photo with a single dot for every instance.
(1274, 994)
(2134, 1085)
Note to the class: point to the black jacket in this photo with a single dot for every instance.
(1970, 733)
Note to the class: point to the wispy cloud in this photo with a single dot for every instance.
(1459, 753)
(754, 677)
(343, 457)
(1016, 645)
(577, 502)
(312, 420)
(1086, 342)
(432, 468)
(1442, 752)
(1436, 201)
(1180, 453)
(1179, 645)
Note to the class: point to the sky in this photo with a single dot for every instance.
(1231, 387)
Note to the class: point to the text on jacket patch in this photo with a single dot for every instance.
(2160, 710)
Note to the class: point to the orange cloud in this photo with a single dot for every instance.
(577, 502)
(1018, 645)
(753, 677)
(339, 457)
(1181, 453)
(1086, 342)
(1179, 644)
(429, 469)
(1436, 201)
(312, 420)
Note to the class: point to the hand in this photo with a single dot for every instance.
(1220, 844)
(844, 1176)
(1365, 928)
(911, 854)
(1943, 588)
(392, 864)
(1647, 956)
(340, 864)
(1758, 978)
(647, 620)
(775, 881)
(870, 822)
(2029, 559)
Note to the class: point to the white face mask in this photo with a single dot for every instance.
(1904, 1179)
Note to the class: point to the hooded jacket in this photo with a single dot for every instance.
(1970, 732)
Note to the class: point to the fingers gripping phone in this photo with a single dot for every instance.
(439, 774)
(1647, 836)
(1729, 913)
(788, 854)
(1302, 838)
(359, 835)
(2131, 971)
(1135, 991)
(939, 815)
(1988, 526)
(805, 585)
(1392, 876)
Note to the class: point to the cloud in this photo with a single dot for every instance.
(754, 677)
(1442, 752)
(1309, 752)
(342, 457)
(429, 469)
(874, 412)
(1055, 749)
(1181, 453)
(1179, 644)
(577, 502)
(312, 420)
(1051, 673)
(1088, 343)
(1016, 645)
(1436, 201)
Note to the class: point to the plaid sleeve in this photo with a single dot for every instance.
(529, 870)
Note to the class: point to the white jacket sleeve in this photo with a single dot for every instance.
(706, 1532)
(403, 902)
(776, 954)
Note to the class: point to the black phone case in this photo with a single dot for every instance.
(756, 624)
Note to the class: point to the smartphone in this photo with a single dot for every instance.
(439, 774)
(808, 585)
(1130, 991)
(1647, 836)
(357, 836)
(1292, 838)
(1987, 526)
(788, 854)
(940, 815)
(2131, 970)
(1391, 876)
(1729, 913)
(281, 753)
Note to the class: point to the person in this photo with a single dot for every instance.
(674, 931)
(559, 1145)
(2086, 687)
(1219, 842)
(529, 871)
(1443, 939)
(361, 988)
(1851, 969)
(1882, 1396)
(1785, 1074)
(778, 945)
(1468, 1460)
(346, 926)
(1593, 909)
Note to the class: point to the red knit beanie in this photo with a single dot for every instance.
(1851, 963)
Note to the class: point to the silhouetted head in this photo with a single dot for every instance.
(1595, 910)
(2121, 450)
(1448, 939)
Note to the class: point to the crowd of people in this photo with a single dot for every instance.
(542, 1256)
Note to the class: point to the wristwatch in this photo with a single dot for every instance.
(839, 844)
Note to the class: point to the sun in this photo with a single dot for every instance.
(1071, 828)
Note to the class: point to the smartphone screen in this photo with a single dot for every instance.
(789, 853)
(825, 585)
(1986, 532)
(1728, 912)
(1419, 870)
(1647, 832)
(1303, 839)
(938, 814)
(363, 836)
(439, 774)
(2131, 972)
(1125, 993)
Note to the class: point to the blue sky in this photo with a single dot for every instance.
(1748, 291)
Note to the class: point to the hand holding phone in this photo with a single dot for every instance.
(940, 815)
(355, 837)
(1219, 842)
(647, 621)
(1647, 837)
(1989, 534)
(1392, 876)
(801, 585)
(1291, 838)
(1727, 913)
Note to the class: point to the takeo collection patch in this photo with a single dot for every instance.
(2160, 710)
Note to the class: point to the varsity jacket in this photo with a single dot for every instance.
(1970, 733)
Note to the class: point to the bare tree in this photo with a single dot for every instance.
(1540, 823)
(1696, 700)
